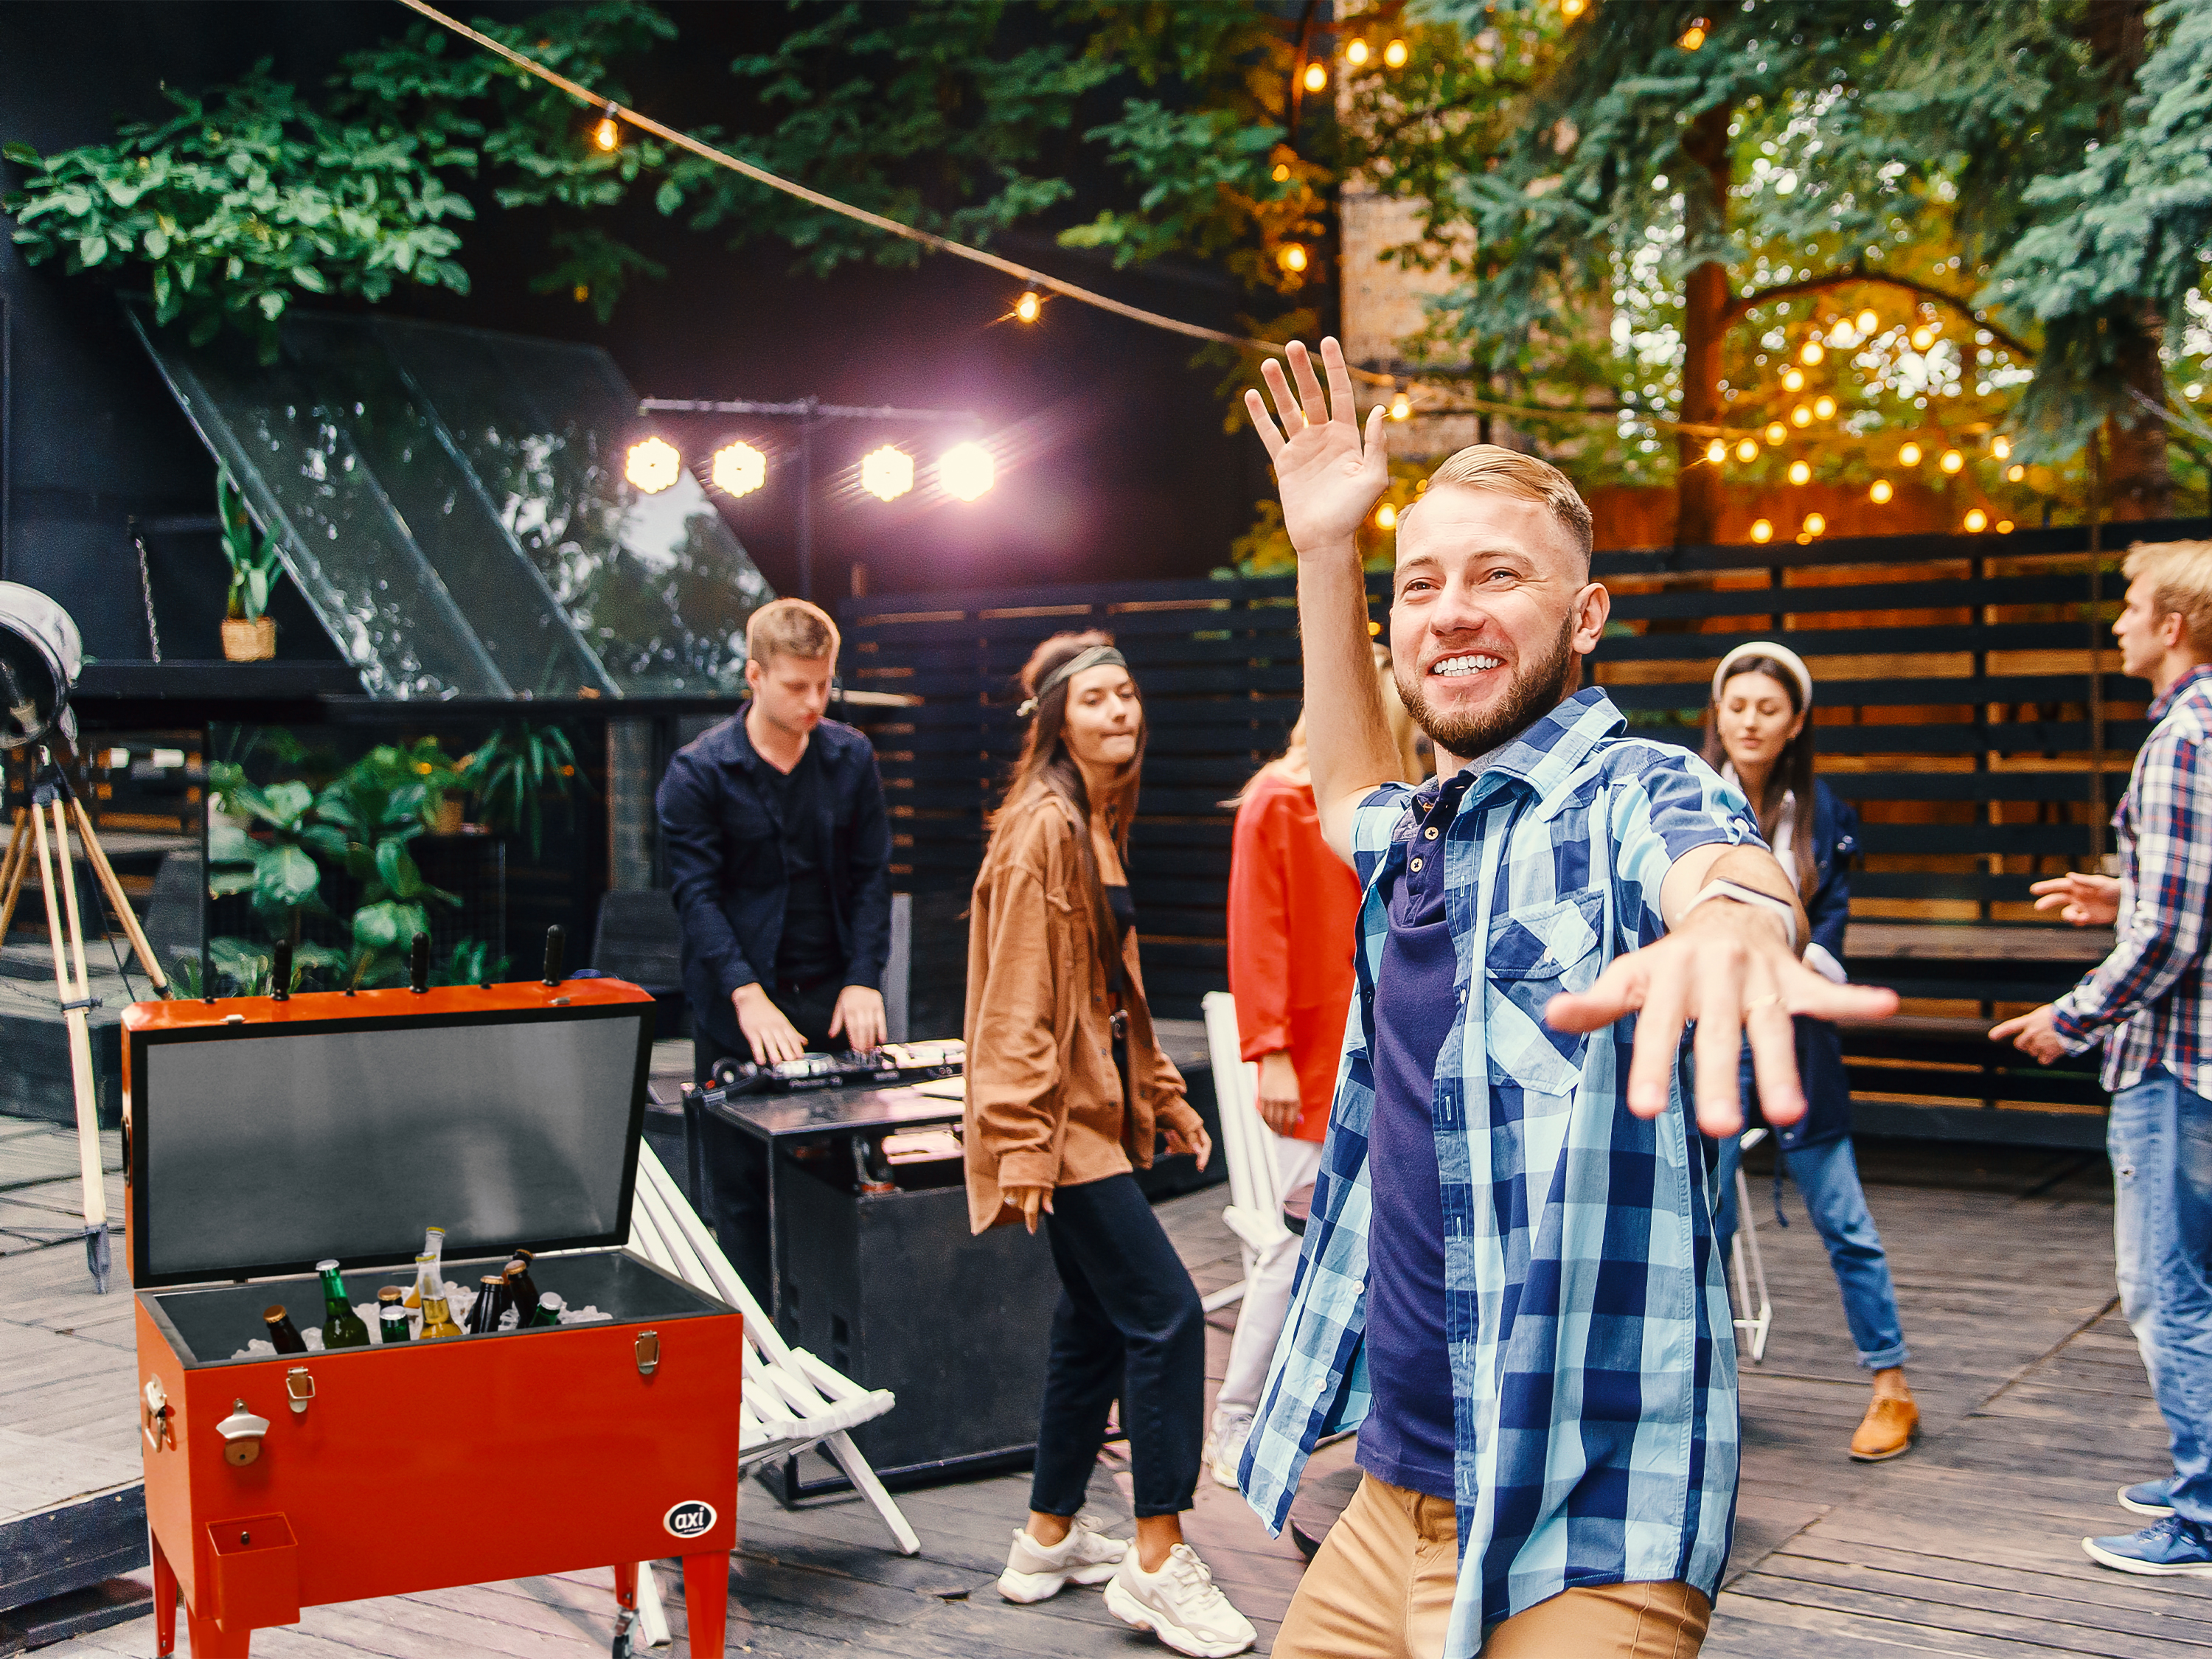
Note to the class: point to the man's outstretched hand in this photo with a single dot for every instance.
(2085, 901)
(1729, 968)
(1329, 475)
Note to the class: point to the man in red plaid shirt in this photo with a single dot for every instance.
(2148, 1003)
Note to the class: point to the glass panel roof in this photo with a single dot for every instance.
(452, 504)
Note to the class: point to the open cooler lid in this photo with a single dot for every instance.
(263, 1136)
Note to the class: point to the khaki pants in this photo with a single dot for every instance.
(1381, 1588)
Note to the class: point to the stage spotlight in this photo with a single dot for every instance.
(966, 471)
(887, 473)
(652, 465)
(1029, 307)
(739, 468)
(41, 657)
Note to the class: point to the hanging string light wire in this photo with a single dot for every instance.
(1029, 274)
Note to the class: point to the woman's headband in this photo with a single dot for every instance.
(1098, 656)
(1781, 653)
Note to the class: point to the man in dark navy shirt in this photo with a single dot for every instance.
(779, 854)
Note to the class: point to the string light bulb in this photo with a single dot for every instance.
(1316, 76)
(1694, 36)
(1811, 353)
(1815, 524)
(887, 473)
(1748, 450)
(607, 134)
(1793, 380)
(1029, 307)
(1761, 531)
(1881, 493)
(1951, 461)
(1572, 9)
(739, 469)
(1867, 322)
(1386, 517)
(652, 465)
(1401, 407)
(1716, 451)
(2001, 447)
(1282, 173)
(967, 471)
(2015, 473)
(1800, 472)
(1395, 54)
(1976, 522)
(1777, 432)
(1908, 455)
(1923, 337)
(1355, 53)
(1801, 416)
(1292, 256)
(2004, 527)
(1824, 407)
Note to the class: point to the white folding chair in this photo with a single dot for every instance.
(789, 1399)
(1254, 1213)
(1750, 1269)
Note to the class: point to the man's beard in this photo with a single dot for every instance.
(1532, 696)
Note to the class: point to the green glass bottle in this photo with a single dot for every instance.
(393, 1324)
(342, 1327)
(549, 1310)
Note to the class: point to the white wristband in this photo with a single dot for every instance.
(1752, 896)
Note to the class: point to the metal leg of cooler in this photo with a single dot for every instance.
(707, 1601)
(652, 1617)
(1750, 1266)
(165, 1600)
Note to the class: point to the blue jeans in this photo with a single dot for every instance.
(2160, 1140)
(1828, 1177)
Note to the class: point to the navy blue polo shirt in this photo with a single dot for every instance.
(1406, 1437)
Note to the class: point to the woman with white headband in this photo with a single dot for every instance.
(1759, 734)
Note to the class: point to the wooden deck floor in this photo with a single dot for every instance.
(2032, 1397)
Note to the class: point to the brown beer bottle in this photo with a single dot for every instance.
(282, 1331)
(521, 1292)
(491, 1302)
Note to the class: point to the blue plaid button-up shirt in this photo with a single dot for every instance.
(2149, 1000)
(1593, 1361)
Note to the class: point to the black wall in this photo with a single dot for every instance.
(1128, 474)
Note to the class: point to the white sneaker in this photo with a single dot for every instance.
(1084, 1556)
(1180, 1604)
(1224, 1446)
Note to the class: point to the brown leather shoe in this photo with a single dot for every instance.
(1892, 1424)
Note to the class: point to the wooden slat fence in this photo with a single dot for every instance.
(1957, 707)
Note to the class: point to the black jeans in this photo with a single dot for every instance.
(736, 1199)
(1129, 1324)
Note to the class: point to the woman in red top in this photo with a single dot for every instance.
(1293, 916)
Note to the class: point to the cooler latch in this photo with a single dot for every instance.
(648, 1353)
(299, 1388)
(158, 1418)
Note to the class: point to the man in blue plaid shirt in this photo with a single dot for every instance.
(1509, 1279)
(2147, 1003)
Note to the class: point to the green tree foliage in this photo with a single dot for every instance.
(2120, 242)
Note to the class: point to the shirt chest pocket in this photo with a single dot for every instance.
(752, 842)
(1532, 955)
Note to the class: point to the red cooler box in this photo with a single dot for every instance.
(261, 1136)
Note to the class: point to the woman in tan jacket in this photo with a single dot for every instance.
(1066, 1087)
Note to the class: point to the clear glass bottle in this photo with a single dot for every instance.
(433, 1251)
(437, 1315)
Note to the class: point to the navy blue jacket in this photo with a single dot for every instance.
(725, 864)
(1820, 1050)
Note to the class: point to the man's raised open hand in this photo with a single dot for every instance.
(1330, 477)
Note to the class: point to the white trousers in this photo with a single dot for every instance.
(1267, 1286)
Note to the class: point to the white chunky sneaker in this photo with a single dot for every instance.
(1084, 1556)
(1180, 1604)
(1224, 1445)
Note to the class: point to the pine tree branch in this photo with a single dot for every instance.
(1851, 275)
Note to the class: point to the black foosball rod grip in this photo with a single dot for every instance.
(418, 964)
(280, 973)
(555, 942)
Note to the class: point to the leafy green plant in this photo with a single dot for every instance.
(266, 846)
(376, 806)
(253, 556)
(513, 774)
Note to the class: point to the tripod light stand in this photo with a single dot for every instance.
(40, 659)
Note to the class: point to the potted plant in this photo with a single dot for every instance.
(249, 633)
